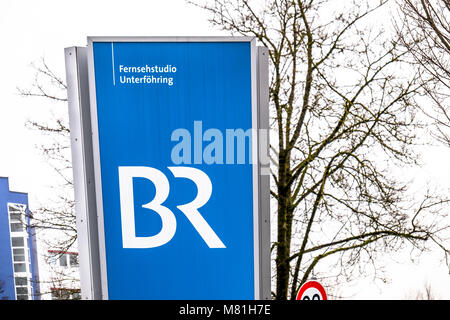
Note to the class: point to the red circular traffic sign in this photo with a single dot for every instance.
(312, 290)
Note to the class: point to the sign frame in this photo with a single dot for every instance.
(87, 166)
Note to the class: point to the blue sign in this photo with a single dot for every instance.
(173, 128)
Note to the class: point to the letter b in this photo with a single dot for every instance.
(169, 223)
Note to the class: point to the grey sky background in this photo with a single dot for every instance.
(31, 30)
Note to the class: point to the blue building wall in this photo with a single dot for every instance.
(7, 288)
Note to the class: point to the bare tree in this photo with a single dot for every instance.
(343, 102)
(424, 30)
(426, 293)
(55, 219)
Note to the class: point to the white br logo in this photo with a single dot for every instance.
(169, 222)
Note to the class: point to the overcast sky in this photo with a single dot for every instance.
(31, 30)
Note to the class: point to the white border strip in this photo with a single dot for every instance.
(113, 65)
(97, 169)
(169, 39)
(255, 164)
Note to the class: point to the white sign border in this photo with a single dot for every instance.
(96, 148)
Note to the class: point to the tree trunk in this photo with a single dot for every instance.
(284, 227)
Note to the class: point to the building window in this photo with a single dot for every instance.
(16, 212)
(16, 227)
(17, 242)
(18, 254)
(22, 288)
(63, 259)
(21, 281)
(21, 291)
(20, 250)
(73, 260)
(20, 267)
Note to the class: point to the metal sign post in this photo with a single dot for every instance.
(172, 198)
(83, 169)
